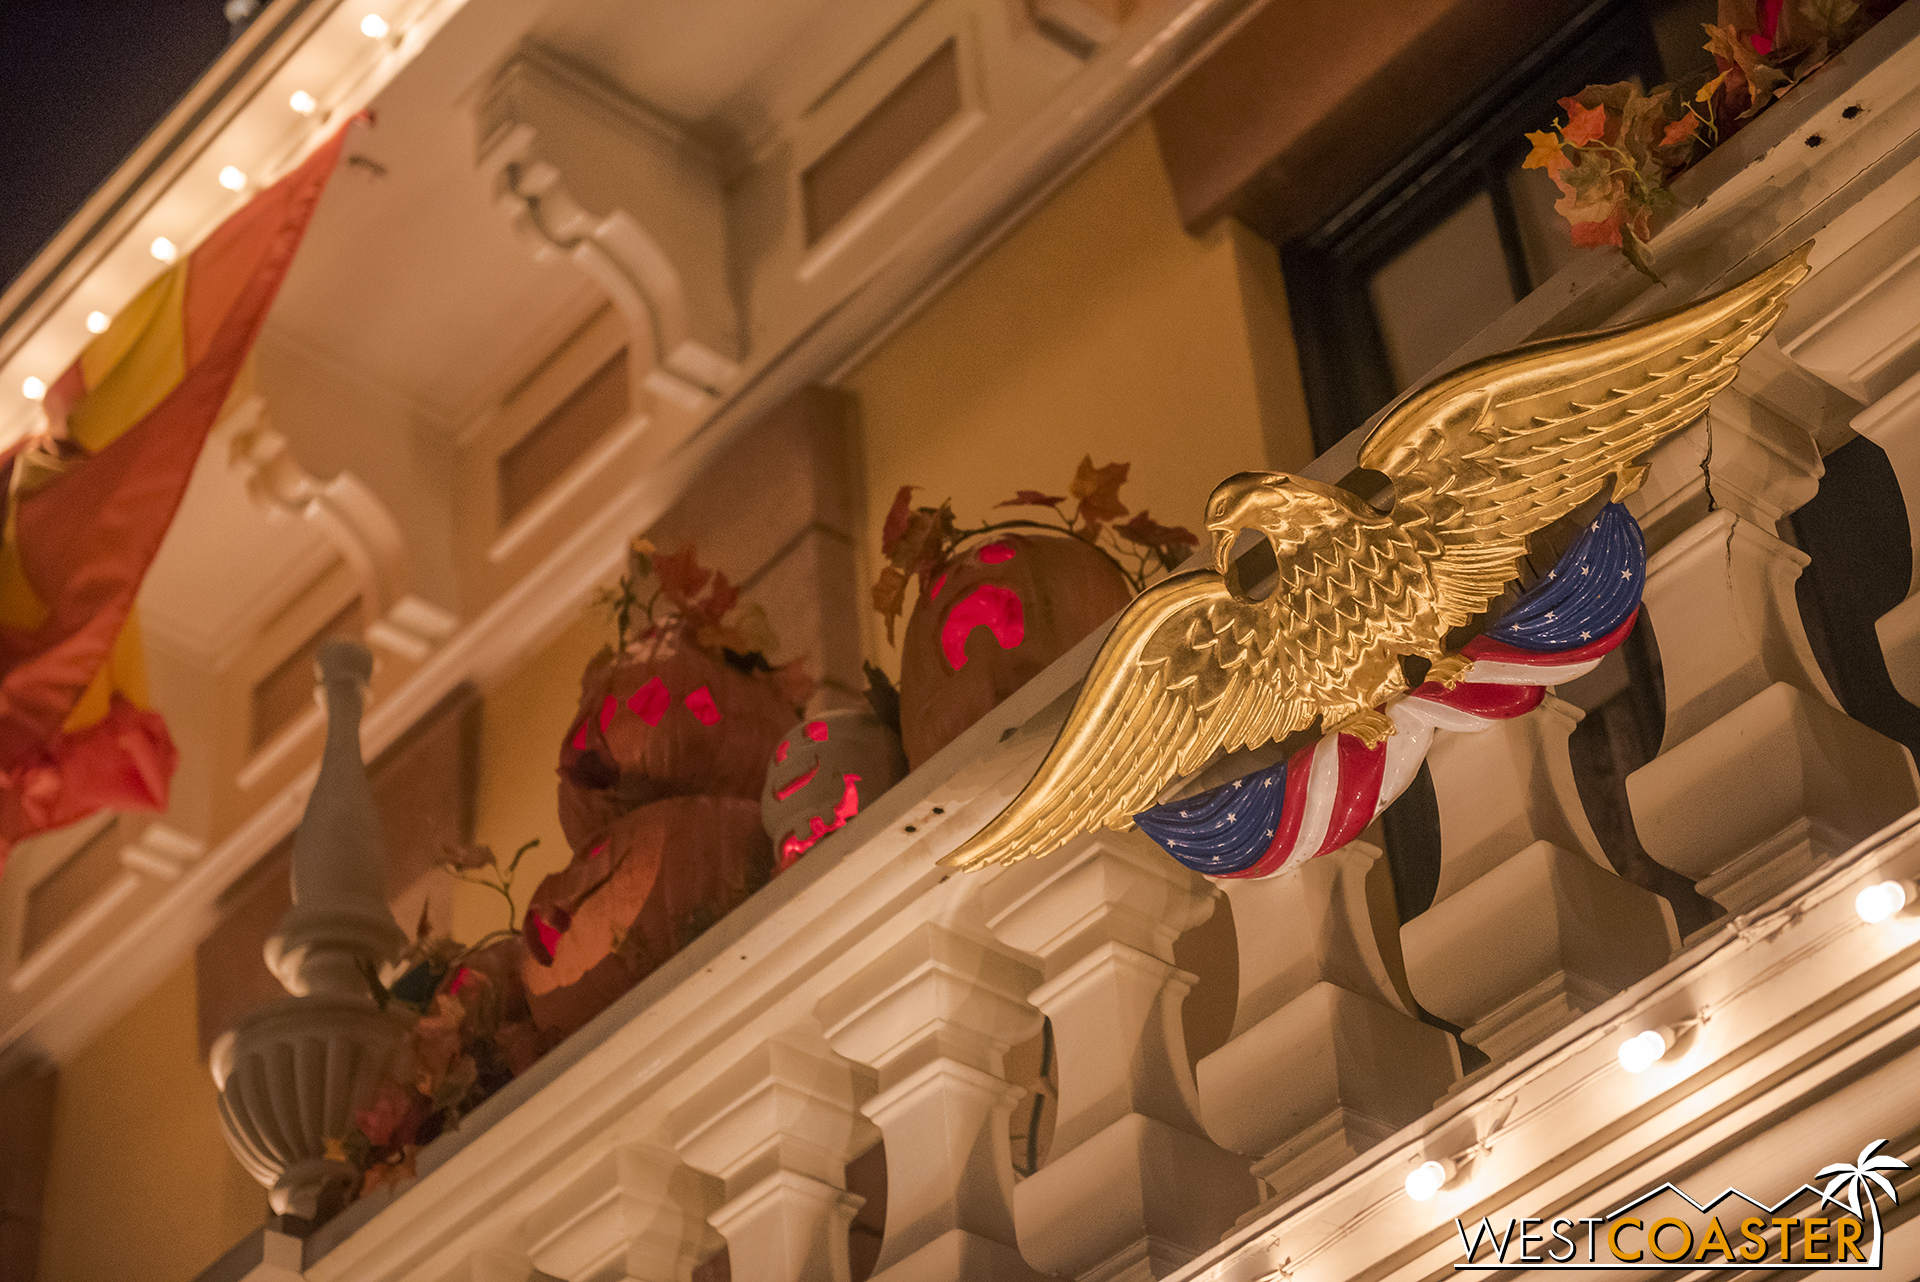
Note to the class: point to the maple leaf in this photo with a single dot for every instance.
(720, 598)
(1683, 130)
(895, 526)
(1742, 67)
(1098, 489)
(1591, 192)
(682, 577)
(890, 596)
(1147, 532)
(1033, 498)
(1605, 231)
(1548, 153)
(1584, 124)
(1643, 120)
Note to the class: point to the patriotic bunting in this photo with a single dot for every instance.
(1322, 796)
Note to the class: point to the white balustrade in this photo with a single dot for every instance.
(934, 1015)
(1132, 1186)
(1760, 776)
(778, 1127)
(1530, 927)
(1326, 1058)
(1893, 423)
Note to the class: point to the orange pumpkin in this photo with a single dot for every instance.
(664, 719)
(1002, 612)
(651, 883)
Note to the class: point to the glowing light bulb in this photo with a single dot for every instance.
(374, 27)
(1880, 901)
(232, 179)
(97, 322)
(1427, 1179)
(302, 102)
(1643, 1050)
(33, 389)
(165, 250)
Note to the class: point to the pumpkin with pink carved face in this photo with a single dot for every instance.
(825, 772)
(999, 613)
(665, 718)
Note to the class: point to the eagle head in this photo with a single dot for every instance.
(1287, 509)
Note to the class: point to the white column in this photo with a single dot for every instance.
(1530, 927)
(1320, 1011)
(778, 1127)
(1132, 1187)
(934, 1016)
(1760, 777)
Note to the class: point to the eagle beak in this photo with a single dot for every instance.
(1223, 541)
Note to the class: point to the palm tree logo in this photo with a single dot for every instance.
(1863, 1176)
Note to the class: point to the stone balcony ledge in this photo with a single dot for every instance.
(1792, 1010)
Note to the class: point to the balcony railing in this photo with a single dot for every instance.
(868, 995)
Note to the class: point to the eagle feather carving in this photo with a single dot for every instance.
(1480, 459)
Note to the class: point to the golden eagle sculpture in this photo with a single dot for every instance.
(1479, 460)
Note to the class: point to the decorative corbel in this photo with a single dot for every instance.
(590, 176)
(353, 520)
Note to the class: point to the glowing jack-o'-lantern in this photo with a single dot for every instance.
(1001, 613)
(664, 719)
(652, 882)
(823, 773)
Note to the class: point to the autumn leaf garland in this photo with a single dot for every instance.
(918, 542)
(1619, 148)
(671, 592)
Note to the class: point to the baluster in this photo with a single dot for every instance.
(1132, 1187)
(637, 1212)
(934, 1016)
(666, 1208)
(779, 1127)
(1760, 777)
(1320, 1012)
(1893, 423)
(1530, 927)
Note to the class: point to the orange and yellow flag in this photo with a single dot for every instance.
(89, 500)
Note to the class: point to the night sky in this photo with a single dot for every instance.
(81, 83)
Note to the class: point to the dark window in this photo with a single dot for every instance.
(1455, 233)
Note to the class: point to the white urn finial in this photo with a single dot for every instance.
(339, 925)
(291, 1073)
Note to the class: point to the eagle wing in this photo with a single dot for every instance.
(1484, 456)
(1188, 670)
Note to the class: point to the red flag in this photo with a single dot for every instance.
(88, 504)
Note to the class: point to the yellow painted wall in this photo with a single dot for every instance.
(141, 1184)
(1098, 326)
(521, 724)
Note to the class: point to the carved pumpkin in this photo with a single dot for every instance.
(823, 773)
(1001, 613)
(653, 881)
(664, 719)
